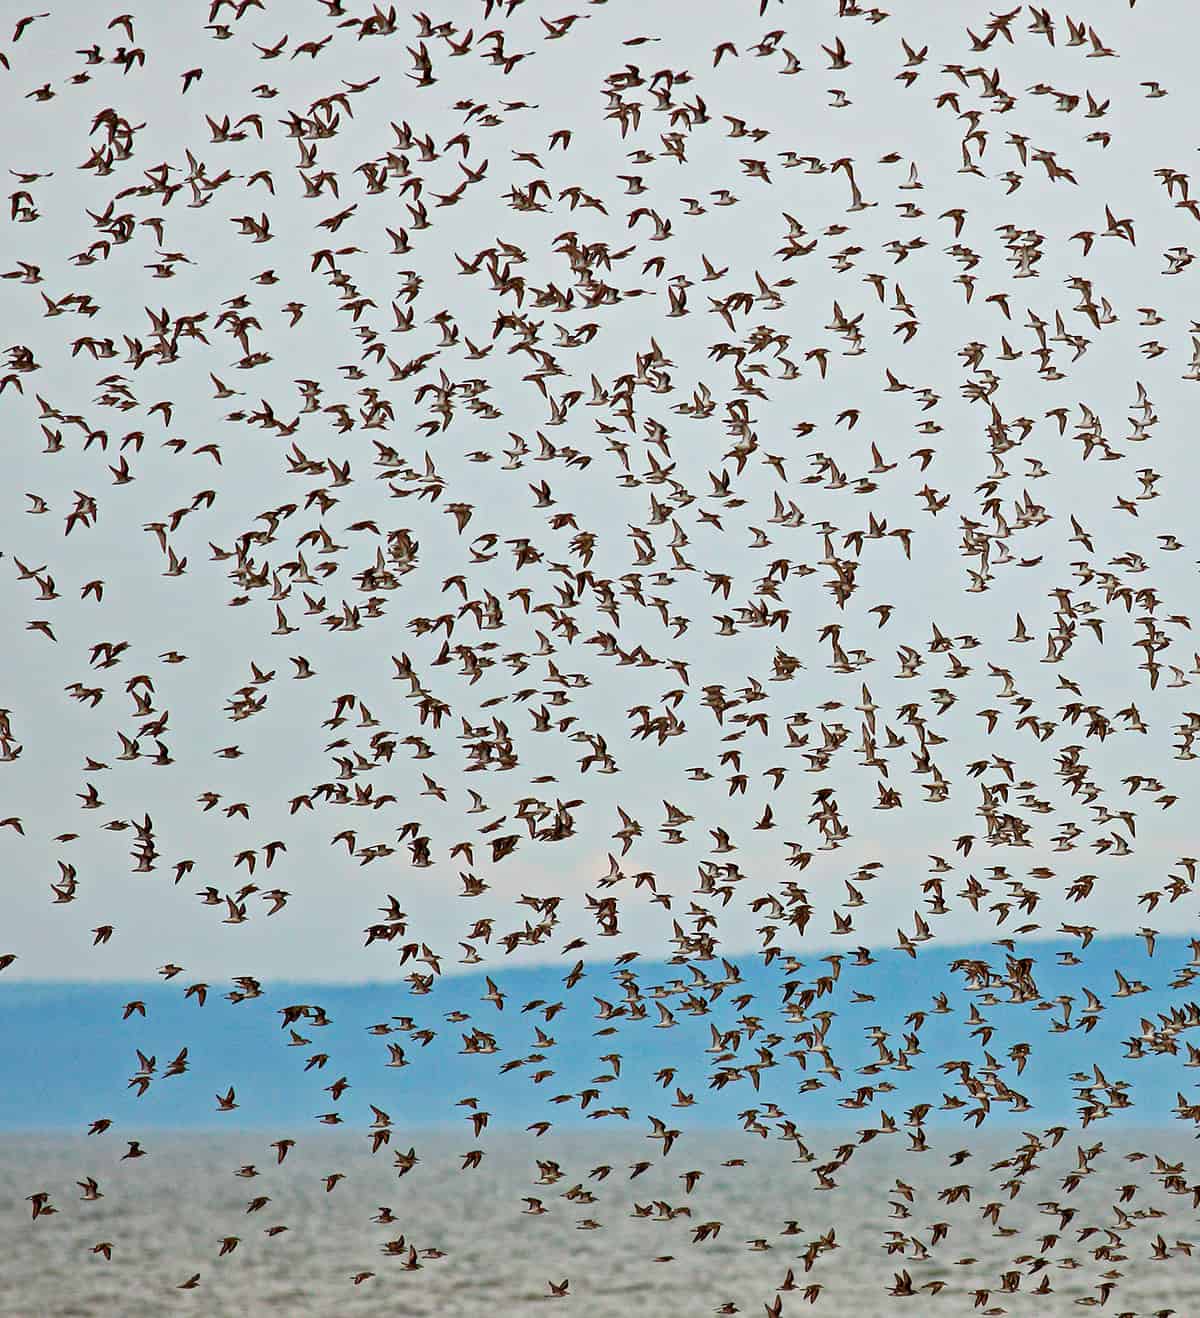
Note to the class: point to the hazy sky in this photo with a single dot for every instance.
(568, 83)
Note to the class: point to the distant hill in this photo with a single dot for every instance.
(68, 1055)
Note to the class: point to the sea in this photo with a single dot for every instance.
(481, 1254)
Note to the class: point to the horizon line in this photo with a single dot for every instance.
(459, 971)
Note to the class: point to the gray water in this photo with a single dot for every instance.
(167, 1213)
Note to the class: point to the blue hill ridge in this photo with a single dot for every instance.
(69, 1055)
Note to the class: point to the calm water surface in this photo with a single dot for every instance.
(167, 1213)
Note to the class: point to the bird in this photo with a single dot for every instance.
(908, 776)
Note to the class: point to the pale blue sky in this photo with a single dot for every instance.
(319, 933)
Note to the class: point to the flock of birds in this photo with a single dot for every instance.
(763, 598)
